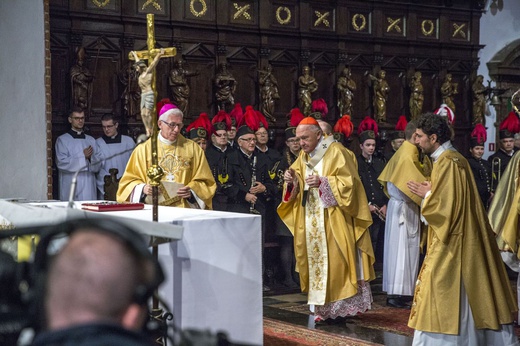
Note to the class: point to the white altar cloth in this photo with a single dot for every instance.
(217, 272)
(214, 273)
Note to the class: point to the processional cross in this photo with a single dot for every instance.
(155, 172)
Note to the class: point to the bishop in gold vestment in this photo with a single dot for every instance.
(334, 254)
(462, 292)
(182, 161)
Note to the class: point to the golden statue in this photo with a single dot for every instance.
(479, 100)
(180, 89)
(225, 85)
(448, 90)
(268, 92)
(381, 90)
(346, 87)
(306, 86)
(416, 96)
(81, 82)
(132, 93)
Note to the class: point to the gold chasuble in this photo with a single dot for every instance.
(183, 162)
(461, 251)
(403, 167)
(505, 206)
(327, 239)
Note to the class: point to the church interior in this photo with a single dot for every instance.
(50, 42)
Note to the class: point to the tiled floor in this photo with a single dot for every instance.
(277, 302)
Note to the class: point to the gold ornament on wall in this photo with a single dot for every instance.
(153, 3)
(393, 25)
(322, 18)
(287, 15)
(241, 11)
(458, 30)
(200, 13)
(363, 22)
(427, 27)
(101, 3)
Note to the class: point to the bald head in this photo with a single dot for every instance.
(93, 278)
(326, 128)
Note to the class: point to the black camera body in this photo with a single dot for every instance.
(23, 283)
(16, 309)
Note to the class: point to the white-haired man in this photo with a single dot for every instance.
(182, 161)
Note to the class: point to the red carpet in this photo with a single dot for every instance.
(278, 333)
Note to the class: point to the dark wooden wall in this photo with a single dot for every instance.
(435, 37)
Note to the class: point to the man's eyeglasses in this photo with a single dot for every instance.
(172, 125)
(248, 139)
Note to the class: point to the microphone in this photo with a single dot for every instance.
(140, 140)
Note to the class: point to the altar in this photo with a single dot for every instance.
(213, 274)
(216, 272)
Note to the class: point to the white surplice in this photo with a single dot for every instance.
(402, 237)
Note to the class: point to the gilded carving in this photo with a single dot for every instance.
(153, 3)
(361, 19)
(101, 3)
(459, 30)
(200, 13)
(321, 18)
(287, 15)
(241, 11)
(393, 25)
(427, 27)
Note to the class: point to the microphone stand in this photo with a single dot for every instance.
(141, 139)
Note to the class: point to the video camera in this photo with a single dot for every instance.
(22, 284)
(17, 310)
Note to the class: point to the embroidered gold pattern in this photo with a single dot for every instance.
(321, 18)
(359, 17)
(200, 13)
(427, 27)
(172, 164)
(241, 11)
(316, 243)
(279, 16)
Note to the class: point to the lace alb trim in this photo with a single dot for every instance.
(354, 305)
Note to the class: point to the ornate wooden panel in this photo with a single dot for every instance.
(400, 37)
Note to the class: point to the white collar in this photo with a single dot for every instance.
(444, 146)
(164, 140)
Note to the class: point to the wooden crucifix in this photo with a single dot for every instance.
(148, 99)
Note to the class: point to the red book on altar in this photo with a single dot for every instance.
(111, 206)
